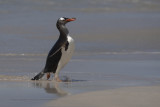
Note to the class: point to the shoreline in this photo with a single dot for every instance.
(137, 96)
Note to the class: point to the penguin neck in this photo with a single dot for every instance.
(63, 31)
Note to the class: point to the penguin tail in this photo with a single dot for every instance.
(39, 75)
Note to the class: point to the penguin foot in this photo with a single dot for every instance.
(58, 80)
(48, 76)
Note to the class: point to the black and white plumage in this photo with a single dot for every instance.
(60, 53)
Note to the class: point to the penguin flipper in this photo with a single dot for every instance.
(57, 47)
(39, 76)
(55, 52)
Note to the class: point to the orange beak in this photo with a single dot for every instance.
(70, 19)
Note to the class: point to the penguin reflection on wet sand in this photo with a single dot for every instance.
(61, 52)
(50, 87)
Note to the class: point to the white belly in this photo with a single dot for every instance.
(66, 54)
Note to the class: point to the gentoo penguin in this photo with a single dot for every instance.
(60, 53)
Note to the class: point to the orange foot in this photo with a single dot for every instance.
(48, 76)
(58, 80)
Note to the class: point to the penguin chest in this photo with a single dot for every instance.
(67, 52)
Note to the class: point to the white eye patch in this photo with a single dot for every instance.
(61, 18)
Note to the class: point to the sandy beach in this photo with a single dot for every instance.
(121, 97)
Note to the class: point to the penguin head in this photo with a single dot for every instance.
(64, 20)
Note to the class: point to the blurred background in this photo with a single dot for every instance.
(29, 26)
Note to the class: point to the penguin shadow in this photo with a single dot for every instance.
(67, 79)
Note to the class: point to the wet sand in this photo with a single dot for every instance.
(92, 76)
(122, 97)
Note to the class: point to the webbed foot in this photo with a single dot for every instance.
(58, 79)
